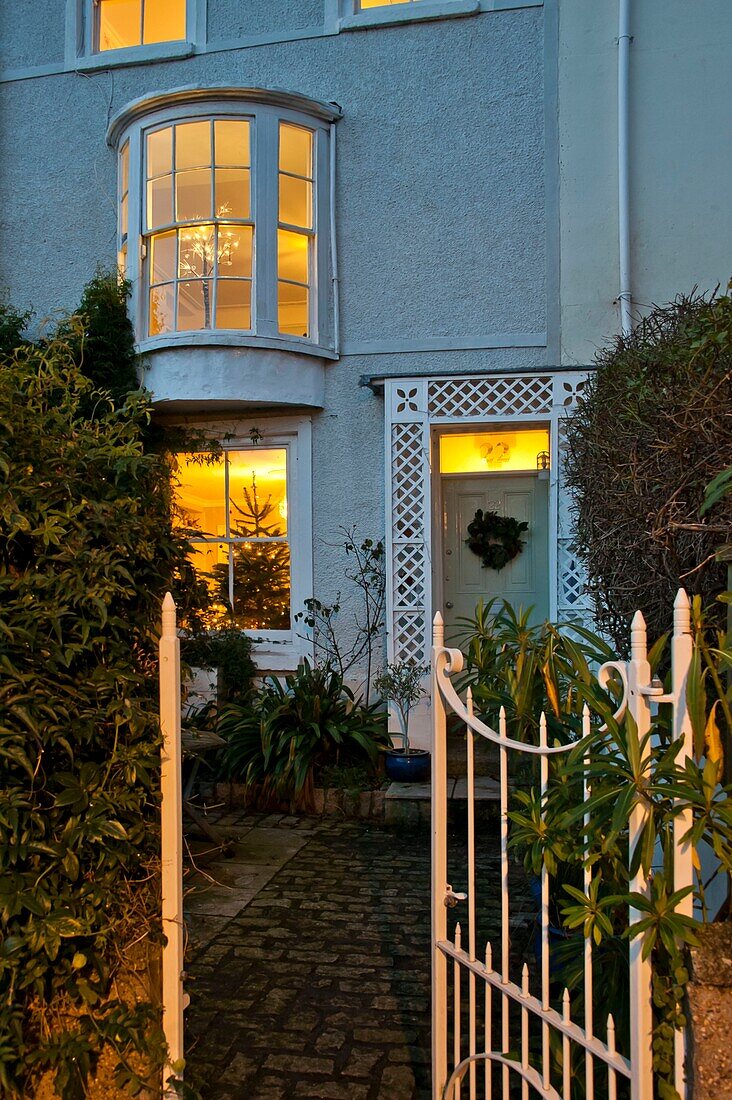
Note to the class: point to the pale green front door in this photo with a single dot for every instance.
(524, 581)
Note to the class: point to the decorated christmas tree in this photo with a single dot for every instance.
(261, 569)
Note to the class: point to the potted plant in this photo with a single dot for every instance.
(401, 684)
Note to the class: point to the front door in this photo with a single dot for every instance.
(523, 582)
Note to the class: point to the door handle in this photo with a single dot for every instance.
(448, 604)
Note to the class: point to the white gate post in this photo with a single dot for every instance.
(439, 870)
(641, 974)
(171, 842)
(682, 649)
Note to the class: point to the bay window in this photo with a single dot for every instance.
(228, 197)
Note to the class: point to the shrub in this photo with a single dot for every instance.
(651, 430)
(296, 727)
(529, 669)
(87, 551)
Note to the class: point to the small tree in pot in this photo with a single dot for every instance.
(401, 684)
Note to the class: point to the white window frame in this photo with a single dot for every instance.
(281, 650)
(82, 53)
(264, 110)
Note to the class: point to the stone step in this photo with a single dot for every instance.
(408, 804)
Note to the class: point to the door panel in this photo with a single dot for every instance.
(523, 582)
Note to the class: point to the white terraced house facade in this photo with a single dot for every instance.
(372, 247)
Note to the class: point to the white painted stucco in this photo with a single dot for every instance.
(680, 159)
(444, 208)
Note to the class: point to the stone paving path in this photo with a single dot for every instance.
(316, 983)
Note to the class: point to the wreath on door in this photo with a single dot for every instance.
(495, 539)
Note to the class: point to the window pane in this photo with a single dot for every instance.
(159, 152)
(162, 261)
(481, 452)
(119, 24)
(165, 20)
(232, 142)
(160, 202)
(197, 252)
(233, 304)
(235, 250)
(162, 303)
(295, 149)
(262, 585)
(193, 195)
(258, 492)
(123, 216)
(211, 562)
(232, 192)
(124, 168)
(295, 201)
(192, 145)
(201, 494)
(292, 256)
(194, 305)
(292, 311)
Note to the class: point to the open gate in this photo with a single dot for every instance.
(482, 1008)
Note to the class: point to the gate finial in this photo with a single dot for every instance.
(638, 637)
(682, 613)
(168, 614)
(438, 630)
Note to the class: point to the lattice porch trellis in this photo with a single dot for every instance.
(414, 407)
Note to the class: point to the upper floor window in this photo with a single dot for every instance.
(198, 226)
(122, 23)
(231, 210)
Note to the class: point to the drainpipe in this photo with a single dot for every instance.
(624, 39)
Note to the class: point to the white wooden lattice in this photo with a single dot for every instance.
(408, 482)
(516, 395)
(413, 405)
(408, 575)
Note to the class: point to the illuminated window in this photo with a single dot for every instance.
(198, 226)
(494, 452)
(295, 236)
(124, 206)
(363, 4)
(123, 23)
(223, 222)
(234, 508)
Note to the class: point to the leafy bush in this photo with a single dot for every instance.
(87, 551)
(296, 727)
(104, 344)
(229, 651)
(610, 761)
(651, 430)
(529, 669)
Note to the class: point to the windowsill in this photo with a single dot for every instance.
(134, 55)
(233, 339)
(410, 13)
(271, 657)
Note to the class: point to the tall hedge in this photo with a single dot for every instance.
(653, 428)
(87, 550)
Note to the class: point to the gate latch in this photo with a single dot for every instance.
(452, 898)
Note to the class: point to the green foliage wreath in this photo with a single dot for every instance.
(495, 539)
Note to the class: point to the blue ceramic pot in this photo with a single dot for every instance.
(411, 767)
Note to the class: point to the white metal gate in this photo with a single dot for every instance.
(484, 991)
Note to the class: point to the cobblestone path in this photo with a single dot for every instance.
(320, 986)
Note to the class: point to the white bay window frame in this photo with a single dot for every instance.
(264, 110)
